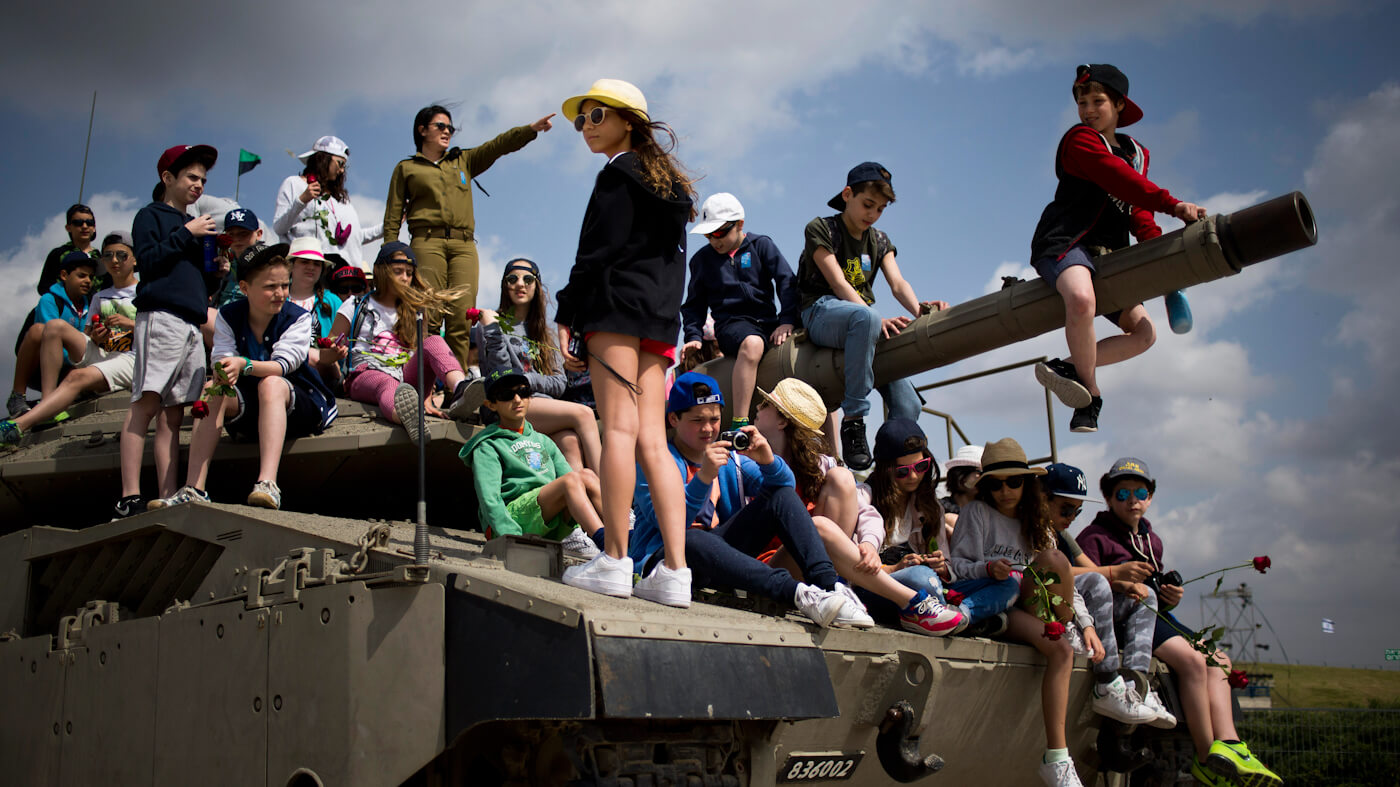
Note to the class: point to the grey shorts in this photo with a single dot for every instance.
(169, 359)
(116, 368)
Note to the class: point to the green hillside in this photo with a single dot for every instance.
(1307, 686)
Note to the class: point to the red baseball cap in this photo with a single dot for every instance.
(175, 159)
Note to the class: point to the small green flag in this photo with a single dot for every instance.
(246, 161)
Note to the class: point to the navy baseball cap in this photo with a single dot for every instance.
(504, 378)
(521, 263)
(1062, 480)
(864, 172)
(76, 259)
(388, 250)
(897, 437)
(242, 218)
(684, 396)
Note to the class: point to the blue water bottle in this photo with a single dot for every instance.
(1178, 312)
(210, 252)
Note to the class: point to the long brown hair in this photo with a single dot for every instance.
(537, 323)
(891, 502)
(415, 296)
(319, 164)
(805, 447)
(1031, 511)
(660, 168)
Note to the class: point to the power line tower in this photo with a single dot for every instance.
(1234, 610)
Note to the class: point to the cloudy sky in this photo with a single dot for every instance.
(1271, 426)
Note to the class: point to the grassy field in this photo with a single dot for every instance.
(1304, 686)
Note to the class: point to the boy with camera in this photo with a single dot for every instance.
(1122, 540)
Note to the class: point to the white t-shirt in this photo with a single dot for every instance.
(374, 344)
(121, 303)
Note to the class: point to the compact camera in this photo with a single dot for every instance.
(1158, 579)
(739, 440)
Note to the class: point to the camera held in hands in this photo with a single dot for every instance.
(1158, 579)
(739, 440)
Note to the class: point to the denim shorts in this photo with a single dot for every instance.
(1050, 269)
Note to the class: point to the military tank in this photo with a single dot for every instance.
(221, 644)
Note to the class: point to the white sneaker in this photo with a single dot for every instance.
(822, 606)
(853, 612)
(1060, 774)
(665, 585)
(578, 545)
(1120, 703)
(603, 574)
(1164, 719)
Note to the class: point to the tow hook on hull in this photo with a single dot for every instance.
(898, 751)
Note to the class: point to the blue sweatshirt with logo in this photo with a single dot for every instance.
(741, 285)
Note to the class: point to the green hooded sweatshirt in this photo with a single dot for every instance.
(506, 465)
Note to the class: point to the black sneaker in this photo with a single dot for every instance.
(1063, 381)
(987, 627)
(129, 506)
(1086, 419)
(854, 449)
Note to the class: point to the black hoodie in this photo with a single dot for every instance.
(629, 274)
(171, 263)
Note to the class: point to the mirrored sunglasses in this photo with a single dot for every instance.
(722, 231)
(117, 255)
(1140, 493)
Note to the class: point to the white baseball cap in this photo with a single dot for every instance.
(718, 210)
(328, 144)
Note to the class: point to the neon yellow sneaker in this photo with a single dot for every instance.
(1206, 776)
(1236, 761)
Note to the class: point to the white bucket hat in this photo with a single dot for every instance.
(967, 456)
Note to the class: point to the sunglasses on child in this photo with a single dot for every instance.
(594, 116)
(994, 484)
(722, 231)
(351, 289)
(115, 255)
(1140, 493)
(1070, 510)
(527, 278)
(84, 222)
(920, 467)
(509, 394)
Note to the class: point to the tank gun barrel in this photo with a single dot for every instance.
(1203, 251)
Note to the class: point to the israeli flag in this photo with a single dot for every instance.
(1327, 627)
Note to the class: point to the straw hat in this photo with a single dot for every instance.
(613, 93)
(967, 456)
(1006, 458)
(798, 402)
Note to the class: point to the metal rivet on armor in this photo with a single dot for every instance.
(257, 704)
(277, 702)
(325, 615)
(219, 632)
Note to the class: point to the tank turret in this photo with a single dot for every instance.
(1206, 250)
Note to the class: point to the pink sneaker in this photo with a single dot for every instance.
(927, 615)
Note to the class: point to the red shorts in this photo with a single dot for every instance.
(667, 351)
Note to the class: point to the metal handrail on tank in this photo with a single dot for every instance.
(953, 424)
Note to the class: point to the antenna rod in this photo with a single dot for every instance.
(82, 182)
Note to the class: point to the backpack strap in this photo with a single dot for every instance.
(356, 316)
(882, 240)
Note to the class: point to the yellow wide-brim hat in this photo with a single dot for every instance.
(613, 93)
(1006, 458)
(798, 402)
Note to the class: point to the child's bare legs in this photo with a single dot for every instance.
(844, 555)
(1138, 335)
(57, 337)
(133, 440)
(274, 397)
(1076, 285)
(167, 449)
(746, 374)
(1054, 687)
(1205, 694)
(552, 415)
(578, 492)
(837, 500)
(27, 359)
(617, 409)
(654, 455)
(204, 438)
(1052, 561)
(567, 442)
(78, 382)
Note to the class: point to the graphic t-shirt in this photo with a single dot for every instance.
(374, 345)
(111, 302)
(858, 258)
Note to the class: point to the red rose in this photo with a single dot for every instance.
(954, 597)
(1237, 678)
(325, 341)
(1262, 564)
(1054, 630)
(474, 315)
(199, 409)
(310, 178)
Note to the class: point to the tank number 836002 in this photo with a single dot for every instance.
(819, 767)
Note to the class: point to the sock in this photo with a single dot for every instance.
(1056, 755)
(1230, 742)
(1102, 682)
(738, 423)
(914, 602)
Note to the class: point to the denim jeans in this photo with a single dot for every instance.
(725, 556)
(915, 578)
(854, 329)
(986, 597)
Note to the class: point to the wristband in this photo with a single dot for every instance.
(248, 366)
(1110, 573)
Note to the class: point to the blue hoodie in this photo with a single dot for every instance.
(56, 305)
(741, 285)
(740, 480)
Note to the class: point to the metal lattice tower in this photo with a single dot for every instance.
(1233, 608)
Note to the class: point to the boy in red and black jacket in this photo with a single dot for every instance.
(1103, 195)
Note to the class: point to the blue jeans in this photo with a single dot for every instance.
(854, 329)
(987, 597)
(915, 578)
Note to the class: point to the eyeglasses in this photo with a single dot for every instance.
(722, 231)
(1069, 510)
(594, 116)
(528, 278)
(522, 391)
(1140, 493)
(920, 467)
(994, 484)
(84, 222)
(440, 126)
(118, 255)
